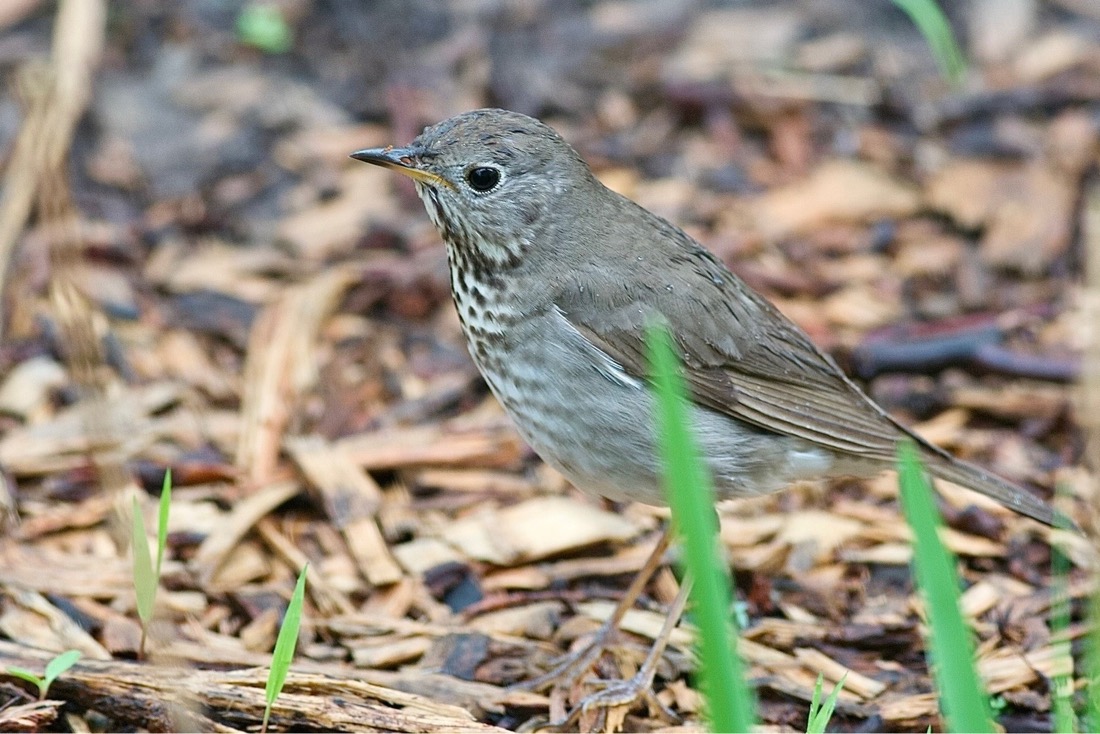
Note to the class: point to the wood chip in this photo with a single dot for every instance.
(908, 708)
(244, 563)
(1026, 211)
(389, 653)
(242, 518)
(824, 530)
(857, 683)
(535, 529)
(523, 577)
(351, 499)
(47, 572)
(534, 621)
(459, 443)
(1021, 400)
(35, 620)
(640, 622)
(330, 226)
(148, 688)
(63, 442)
(25, 389)
(1052, 53)
(417, 556)
(279, 367)
(837, 191)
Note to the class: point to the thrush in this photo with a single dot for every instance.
(556, 278)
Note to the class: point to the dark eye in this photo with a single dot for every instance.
(482, 178)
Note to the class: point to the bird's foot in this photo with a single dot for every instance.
(618, 697)
(614, 701)
(571, 667)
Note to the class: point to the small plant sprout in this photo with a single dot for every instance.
(54, 669)
(822, 711)
(934, 26)
(284, 646)
(1065, 719)
(263, 26)
(729, 700)
(950, 647)
(146, 573)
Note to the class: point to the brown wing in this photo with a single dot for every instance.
(742, 357)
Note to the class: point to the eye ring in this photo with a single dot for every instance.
(483, 179)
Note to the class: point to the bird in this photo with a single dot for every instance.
(556, 278)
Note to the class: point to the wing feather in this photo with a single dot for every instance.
(744, 360)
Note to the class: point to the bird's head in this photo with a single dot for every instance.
(488, 178)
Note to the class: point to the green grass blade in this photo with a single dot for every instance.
(815, 707)
(827, 710)
(933, 25)
(822, 712)
(950, 647)
(57, 667)
(1092, 662)
(145, 581)
(162, 518)
(1065, 720)
(729, 700)
(285, 645)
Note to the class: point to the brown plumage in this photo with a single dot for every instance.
(555, 278)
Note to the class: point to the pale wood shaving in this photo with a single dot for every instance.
(388, 653)
(417, 556)
(36, 620)
(352, 499)
(63, 442)
(279, 367)
(35, 716)
(242, 518)
(493, 443)
(521, 532)
(640, 622)
(31, 567)
(857, 683)
(329, 599)
(535, 621)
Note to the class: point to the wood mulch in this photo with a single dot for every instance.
(194, 276)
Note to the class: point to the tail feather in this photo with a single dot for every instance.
(1008, 494)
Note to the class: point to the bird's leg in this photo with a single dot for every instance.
(574, 665)
(623, 692)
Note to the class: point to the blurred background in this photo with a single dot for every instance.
(194, 275)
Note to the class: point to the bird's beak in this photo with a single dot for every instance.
(402, 160)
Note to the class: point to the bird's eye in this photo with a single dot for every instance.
(483, 178)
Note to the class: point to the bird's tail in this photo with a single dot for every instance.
(978, 479)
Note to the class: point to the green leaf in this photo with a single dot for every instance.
(688, 486)
(950, 647)
(1065, 720)
(57, 667)
(935, 28)
(263, 26)
(145, 580)
(1092, 661)
(162, 518)
(31, 678)
(285, 645)
(821, 713)
(815, 705)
